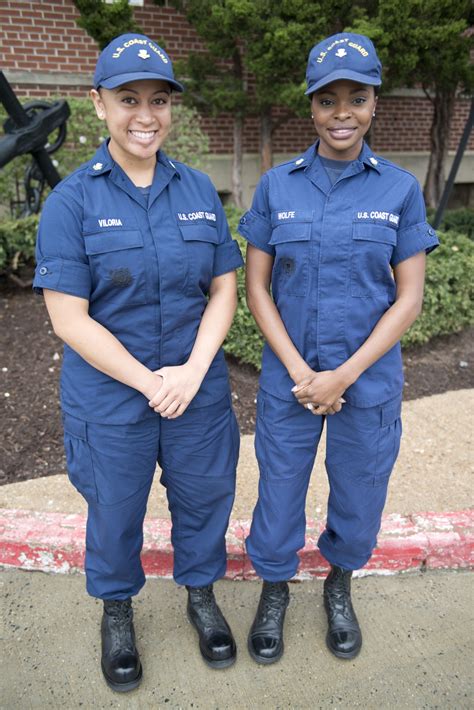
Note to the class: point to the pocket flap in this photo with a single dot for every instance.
(291, 232)
(112, 241)
(374, 233)
(199, 233)
(75, 427)
(391, 412)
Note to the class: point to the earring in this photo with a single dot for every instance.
(373, 115)
(312, 116)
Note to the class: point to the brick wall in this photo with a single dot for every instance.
(44, 37)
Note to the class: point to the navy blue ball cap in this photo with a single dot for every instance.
(343, 56)
(131, 57)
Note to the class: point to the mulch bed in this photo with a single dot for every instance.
(30, 360)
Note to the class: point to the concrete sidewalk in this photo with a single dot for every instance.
(428, 522)
(417, 648)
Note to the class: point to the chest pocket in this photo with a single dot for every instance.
(117, 262)
(372, 248)
(291, 270)
(200, 241)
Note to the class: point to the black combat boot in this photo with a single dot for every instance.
(265, 641)
(216, 642)
(344, 637)
(120, 660)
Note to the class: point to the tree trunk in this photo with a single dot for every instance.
(266, 144)
(443, 103)
(237, 162)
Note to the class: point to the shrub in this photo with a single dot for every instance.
(186, 142)
(460, 220)
(449, 292)
(447, 306)
(17, 243)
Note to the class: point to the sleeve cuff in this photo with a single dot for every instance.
(412, 240)
(227, 258)
(256, 230)
(70, 277)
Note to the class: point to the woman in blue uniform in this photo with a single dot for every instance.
(137, 267)
(341, 236)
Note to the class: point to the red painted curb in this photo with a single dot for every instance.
(54, 542)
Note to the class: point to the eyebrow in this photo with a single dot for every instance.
(133, 91)
(357, 90)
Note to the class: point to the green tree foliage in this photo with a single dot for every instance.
(427, 43)
(103, 21)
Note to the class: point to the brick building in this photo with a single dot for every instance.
(44, 53)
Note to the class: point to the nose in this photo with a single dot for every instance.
(144, 114)
(343, 111)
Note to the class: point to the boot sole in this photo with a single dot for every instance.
(212, 663)
(341, 654)
(123, 687)
(261, 659)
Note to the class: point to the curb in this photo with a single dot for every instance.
(54, 542)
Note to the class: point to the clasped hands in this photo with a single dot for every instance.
(174, 388)
(321, 392)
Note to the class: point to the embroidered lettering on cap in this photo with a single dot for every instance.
(113, 222)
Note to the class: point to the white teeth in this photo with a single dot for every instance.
(143, 134)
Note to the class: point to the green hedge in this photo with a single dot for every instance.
(447, 306)
(17, 243)
(460, 220)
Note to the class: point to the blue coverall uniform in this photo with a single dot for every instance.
(334, 247)
(145, 264)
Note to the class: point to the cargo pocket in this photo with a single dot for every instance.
(78, 458)
(291, 241)
(117, 260)
(388, 444)
(372, 248)
(200, 244)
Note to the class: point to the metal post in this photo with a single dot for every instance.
(454, 167)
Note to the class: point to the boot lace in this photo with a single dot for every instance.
(339, 597)
(273, 603)
(120, 625)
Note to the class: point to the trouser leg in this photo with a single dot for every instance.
(286, 440)
(198, 455)
(362, 447)
(112, 467)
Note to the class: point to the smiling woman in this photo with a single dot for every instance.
(137, 266)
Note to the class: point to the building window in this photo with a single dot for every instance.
(138, 3)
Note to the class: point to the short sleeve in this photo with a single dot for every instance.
(227, 255)
(61, 261)
(255, 225)
(414, 233)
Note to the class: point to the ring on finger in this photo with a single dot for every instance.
(310, 406)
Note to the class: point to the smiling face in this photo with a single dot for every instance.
(342, 114)
(138, 117)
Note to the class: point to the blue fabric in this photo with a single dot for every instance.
(334, 247)
(145, 264)
(361, 448)
(112, 466)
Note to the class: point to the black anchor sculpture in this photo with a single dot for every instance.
(26, 131)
